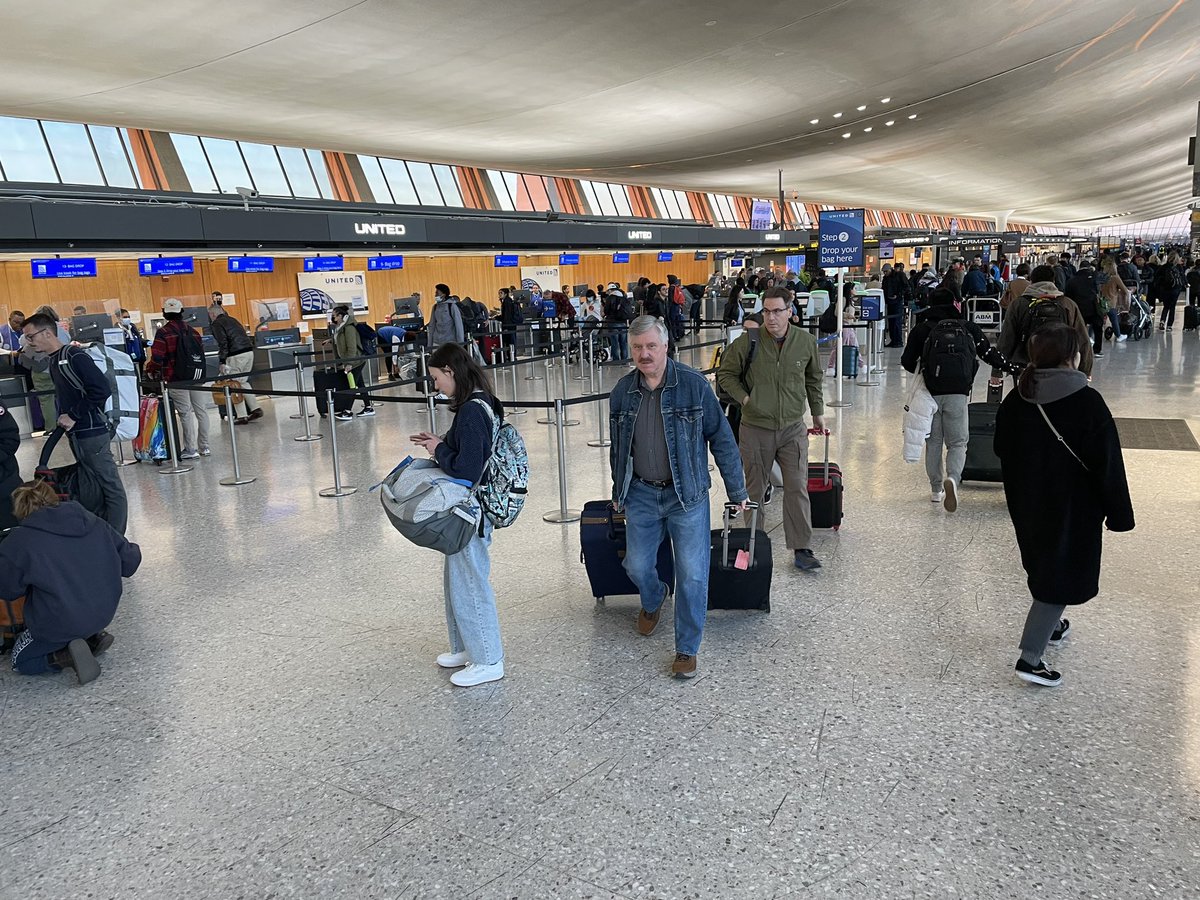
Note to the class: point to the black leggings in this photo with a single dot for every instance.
(1096, 323)
(1168, 308)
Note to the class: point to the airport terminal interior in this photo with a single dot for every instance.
(270, 720)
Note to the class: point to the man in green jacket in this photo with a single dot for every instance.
(783, 380)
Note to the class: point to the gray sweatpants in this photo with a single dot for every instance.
(1043, 618)
(950, 429)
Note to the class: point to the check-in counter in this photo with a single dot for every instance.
(18, 407)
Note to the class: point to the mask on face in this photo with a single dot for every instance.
(127, 321)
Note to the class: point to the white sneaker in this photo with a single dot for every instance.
(190, 454)
(475, 674)
(951, 501)
(937, 496)
(453, 660)
(1122, 339)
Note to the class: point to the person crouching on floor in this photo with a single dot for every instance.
(68, 564)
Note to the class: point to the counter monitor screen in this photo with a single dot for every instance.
(86, 328)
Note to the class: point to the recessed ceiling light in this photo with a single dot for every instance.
(837, 115)
(846, 135)
(813, 121)
(913, 116)
(861, 108)
(890, 122)
(867, 129)
(886, 100)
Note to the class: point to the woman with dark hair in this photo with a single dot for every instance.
(1064, 481)
(463, 452)
(732, 314)
(347, 345)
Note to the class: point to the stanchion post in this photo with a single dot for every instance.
(548, 420)
(565, 387)
(601, 440)
(121, 460)
(592, 360)
(431, 407)
(308, 433)
(512, 371)
(869, 381)
(839, 403)
(301, 406)
(582, 361)
(562, 515)
(338, 489)
(533, 375)
(168, 418)
(236, 478)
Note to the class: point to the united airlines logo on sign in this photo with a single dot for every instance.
(640, 235)
(380, 228)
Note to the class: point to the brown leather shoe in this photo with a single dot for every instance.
(256, 413)
(684, 666)
(647, 622)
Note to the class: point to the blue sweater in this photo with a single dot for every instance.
(467, 446)
(68, 564)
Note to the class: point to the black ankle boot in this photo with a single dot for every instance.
(99, 642)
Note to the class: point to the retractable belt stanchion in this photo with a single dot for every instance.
(303, 414)
(562, 515)
(839, 403)
(169, 424)
(431, 406)
(582, 361)
(548, 420)
(512, 370)
(236, 478)
(301, 407)
(566, 390)
(338, 489)
(869, 382)
(533, 375)
(592, 360)
(600, 440)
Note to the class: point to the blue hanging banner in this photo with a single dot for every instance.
(166, 265)
(506, 261)
(568, 259)
(665, 256)
(384, 263)
(250, 264)
(841, 238)
(79, 267)
(620, 257)
(323, 264)
(701, 256)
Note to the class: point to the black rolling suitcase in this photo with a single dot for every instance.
(982, 462)
(1191, 318)
(602, 551)
(335, 380)
(825, 489)
(730, 587)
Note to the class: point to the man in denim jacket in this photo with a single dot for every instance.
(664, 418)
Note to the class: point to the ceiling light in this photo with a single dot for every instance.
(861, 108)
(890, 122)
(886, 100)
(813, 121)
(846, 135)
(867, 128)
(837, 115)
(913, 116)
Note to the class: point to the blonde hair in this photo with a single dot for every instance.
(1109, 266)
(32, 496)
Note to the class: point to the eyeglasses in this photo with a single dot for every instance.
(33, 334)
(774, 312)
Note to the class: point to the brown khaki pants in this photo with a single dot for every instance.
(760, 448)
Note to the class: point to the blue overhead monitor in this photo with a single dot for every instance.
(620, 257)
(323, 264)
(568, 259)
(166, 265)
(250, 264)
(737, 263)
(701, 256)
(794, 263)
(384, 263)
(79, 267)
(665, 256)
(506, 261)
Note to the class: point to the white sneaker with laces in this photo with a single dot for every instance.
(453, 660)
(937, 496)
(190, 454)
(1122, 339)
(475, 674)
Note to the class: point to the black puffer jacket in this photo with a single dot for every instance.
(1081, 287)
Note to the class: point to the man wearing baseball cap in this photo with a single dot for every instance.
(164, 364)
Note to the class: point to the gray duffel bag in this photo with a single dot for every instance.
(429, 507)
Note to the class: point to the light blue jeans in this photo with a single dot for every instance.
(949, 428)
(471, 603)
(650, 514)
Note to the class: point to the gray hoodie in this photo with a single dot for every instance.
(1055, 384)
(445, 323)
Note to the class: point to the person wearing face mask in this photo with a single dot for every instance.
(1064, 482)
(348, 346)
(135, 344)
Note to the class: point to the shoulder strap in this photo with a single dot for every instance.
(1061, 439)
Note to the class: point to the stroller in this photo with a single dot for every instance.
(1137, 323)
(598, 345)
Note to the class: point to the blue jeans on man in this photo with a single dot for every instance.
(618, 341)
(650, 514)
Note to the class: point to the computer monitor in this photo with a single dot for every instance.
(197, 317)
(630, 285)
(408, 306)
(580, 290)
(90, 327)
(278, 337)
(523, 298)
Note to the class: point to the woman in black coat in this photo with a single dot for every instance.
(10, 474)
(1061, 492)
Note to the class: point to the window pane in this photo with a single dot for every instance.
(265, 169)
(449, 185)
(621, 198)
(659, 203)
(72, 153)
(399, 182)
(552, 193)
(536, 188)
(607, 207)
(426, 184)
(374, 173)
(317, 159)
(500, 189)
(227, 164)
(195, 165)
(299, 176)
(685, 208)
(589, 196)
(23, 152)
(112, 156)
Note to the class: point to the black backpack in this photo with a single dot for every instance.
(368, 338)
(470, 317)
(189, 355)
(948, 359)
(827, 324)
(1043, 311)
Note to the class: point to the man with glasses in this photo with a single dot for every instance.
(82, 390)
(782, 380)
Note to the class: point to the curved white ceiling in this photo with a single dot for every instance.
(1068, 111)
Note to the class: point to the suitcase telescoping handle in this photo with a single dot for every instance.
(729, 508)
(824, 431)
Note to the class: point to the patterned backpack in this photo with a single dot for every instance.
(506, 479)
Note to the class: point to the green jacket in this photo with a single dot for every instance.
(346, 343)
(782, 381)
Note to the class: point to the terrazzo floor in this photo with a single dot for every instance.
(270, 722)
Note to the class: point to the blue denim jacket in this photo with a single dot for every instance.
(692, 420)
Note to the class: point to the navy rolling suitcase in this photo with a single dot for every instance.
(602, 551)
(728, 586)
(982, 462)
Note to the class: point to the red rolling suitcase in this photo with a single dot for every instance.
(825, 489)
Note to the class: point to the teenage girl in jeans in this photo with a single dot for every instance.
(463, 452)
(1064, 481)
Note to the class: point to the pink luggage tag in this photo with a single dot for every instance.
(742, 560)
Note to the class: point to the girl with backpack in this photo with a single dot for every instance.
(1064, 482)
(463, 452)
(1169, 282)
(347, 344)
